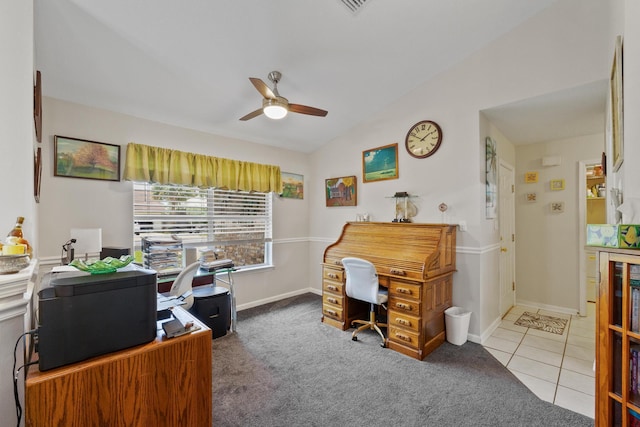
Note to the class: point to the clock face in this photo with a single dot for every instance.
(423, 139)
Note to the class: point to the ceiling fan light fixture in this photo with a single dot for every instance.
(276, 108)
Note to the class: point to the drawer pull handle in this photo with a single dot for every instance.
(331, 312)
(397, 272)
(332, 275)
(337, 262)
(332, 300)
(403, 337)
(404, 291)
(403, 306)
(403, 322)
(332, 288)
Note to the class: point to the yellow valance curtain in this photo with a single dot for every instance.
(165, 166)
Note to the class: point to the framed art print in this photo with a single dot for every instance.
(292, 185)
(530, 177)
(557, 207)
(491, 177)
(79, 158)
(341, 191)
(615, 82)
(380, 163)
(557, 184)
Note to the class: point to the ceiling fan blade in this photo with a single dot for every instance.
(262, 88)
(251, 115)
(303, 109)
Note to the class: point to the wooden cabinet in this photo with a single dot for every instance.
(414, 261)
(617, 338)
(166, 382)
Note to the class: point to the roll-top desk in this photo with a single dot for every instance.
(415, 262)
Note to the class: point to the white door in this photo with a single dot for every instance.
(506, 214)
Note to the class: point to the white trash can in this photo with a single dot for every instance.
(457, 324)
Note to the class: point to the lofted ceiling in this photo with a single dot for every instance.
(188, 63)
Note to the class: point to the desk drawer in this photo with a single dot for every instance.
(333, 274)
(332, 287)
(331, 299)
(404, 321)
(404, 289)
(332, 311)
(403, 336)
(404, 306)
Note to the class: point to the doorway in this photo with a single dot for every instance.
(507, 237)
(591, 210)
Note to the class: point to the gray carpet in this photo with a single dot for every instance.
(284, 367)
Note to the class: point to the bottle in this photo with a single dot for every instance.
(17, 229)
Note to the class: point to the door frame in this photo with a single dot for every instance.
(582, 233)
(506, 165)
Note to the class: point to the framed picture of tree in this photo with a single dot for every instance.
(79, 158)
(341, 191)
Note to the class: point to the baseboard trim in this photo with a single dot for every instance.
(548, 307)
(275, 298)
(487, 332)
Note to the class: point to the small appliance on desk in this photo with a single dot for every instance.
(83, 315)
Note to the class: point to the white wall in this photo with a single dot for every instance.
(17, 139)
(565, 46)
(17, 130)
(66, 203)
(631, 66)
(547, 243)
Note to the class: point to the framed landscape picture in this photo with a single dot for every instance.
(380, 163)
(341, 191)
(292, 185)
(78, 158)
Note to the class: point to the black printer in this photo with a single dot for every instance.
(82, 315)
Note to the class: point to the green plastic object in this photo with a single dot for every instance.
(102, 266)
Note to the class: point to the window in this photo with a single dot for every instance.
(232, 224)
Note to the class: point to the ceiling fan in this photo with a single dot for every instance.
(275, 106)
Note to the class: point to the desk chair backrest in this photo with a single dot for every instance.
(183, 284)
(362, 280)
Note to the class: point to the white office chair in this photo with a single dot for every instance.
(182, 286)
(362, 284)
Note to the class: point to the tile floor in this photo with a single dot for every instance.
(557, 368)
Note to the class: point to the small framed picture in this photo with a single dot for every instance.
(341, 191)
(531, 197)
(80, 158)
(292, 185)
(380, 163)
(557, 207)
(530, 177)
(557, 184)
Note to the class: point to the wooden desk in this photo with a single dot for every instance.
(415, 262)
(166, 382)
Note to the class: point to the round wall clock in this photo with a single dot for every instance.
(423, 139)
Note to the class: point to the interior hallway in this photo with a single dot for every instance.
(557, 368)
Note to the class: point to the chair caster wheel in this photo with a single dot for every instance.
(354, 338)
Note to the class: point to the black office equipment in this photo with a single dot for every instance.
(212, 305)
(113, 252)
(82, 315)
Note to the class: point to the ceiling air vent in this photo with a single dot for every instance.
(354, 5)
